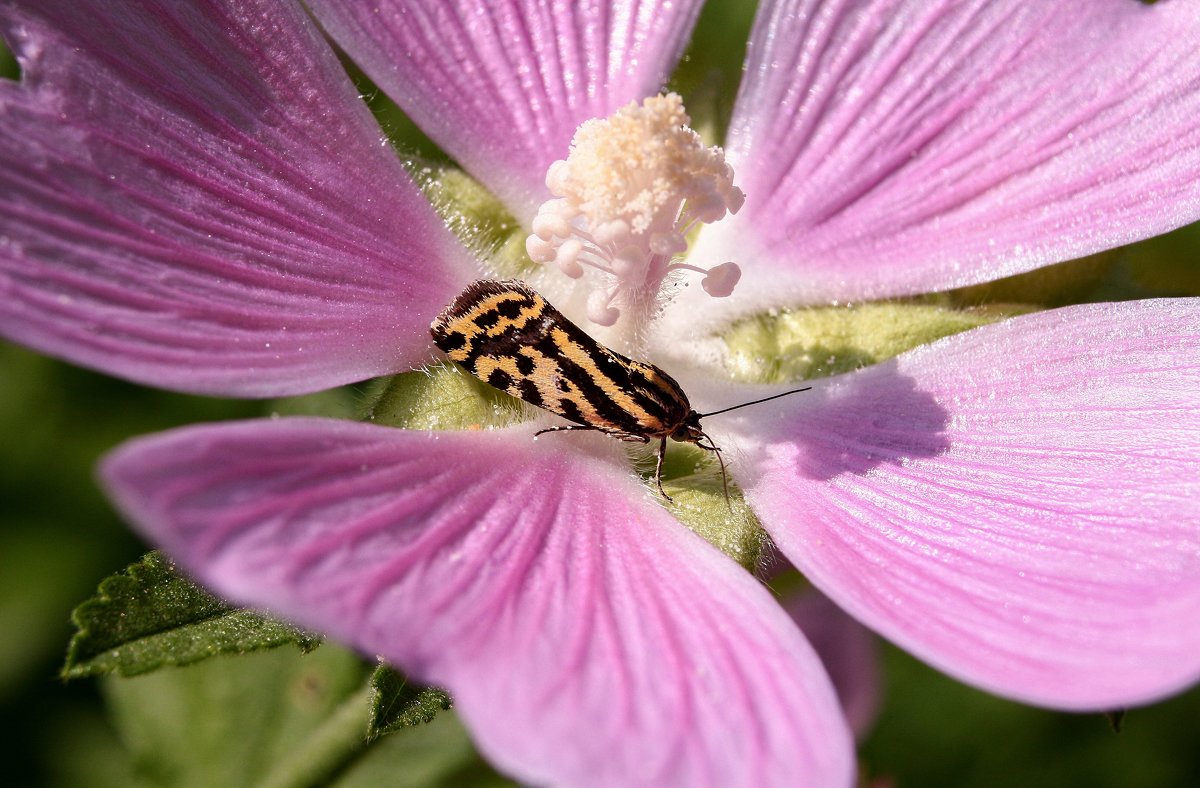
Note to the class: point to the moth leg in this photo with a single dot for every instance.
(662, 452)
(567, 429)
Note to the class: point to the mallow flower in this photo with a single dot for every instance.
(196, 198)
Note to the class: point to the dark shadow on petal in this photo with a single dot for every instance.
(852, 424)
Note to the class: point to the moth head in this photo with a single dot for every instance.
(689, 430)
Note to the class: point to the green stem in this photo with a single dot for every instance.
(327, 749)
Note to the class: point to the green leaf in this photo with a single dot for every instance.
(279, 719)
(264, 718)
(397, 703)
(149, 616)
(437, 755)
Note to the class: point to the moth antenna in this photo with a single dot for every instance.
(715, 449)
(754, 402)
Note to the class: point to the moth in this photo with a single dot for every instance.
(511, 338)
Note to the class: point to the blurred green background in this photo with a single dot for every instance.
(59, 538)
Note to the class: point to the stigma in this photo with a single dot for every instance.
(626, 198)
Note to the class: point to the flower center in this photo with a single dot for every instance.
(632, 188)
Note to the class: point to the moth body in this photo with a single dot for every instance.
(511, 338)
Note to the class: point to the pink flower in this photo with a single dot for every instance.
(195, 198)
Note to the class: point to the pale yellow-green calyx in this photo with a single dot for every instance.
(625, 199)
(693, 480)
(442, 397)
(476, 216)
(815, 342)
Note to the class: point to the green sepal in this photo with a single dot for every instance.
(1070, 282)
(1161, 266)
(479, 219)
(442, 397)
(693, 480)
(336, 403)
(801, 344)
(398, 703)
(149, 616)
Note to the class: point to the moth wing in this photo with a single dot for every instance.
(508, 336)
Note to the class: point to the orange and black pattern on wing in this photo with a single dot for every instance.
(508, 336)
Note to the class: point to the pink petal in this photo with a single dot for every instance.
(1019, 505)
(587, 637)
(849, 652)
(502, 85)
(195, 198)
(901, 146)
